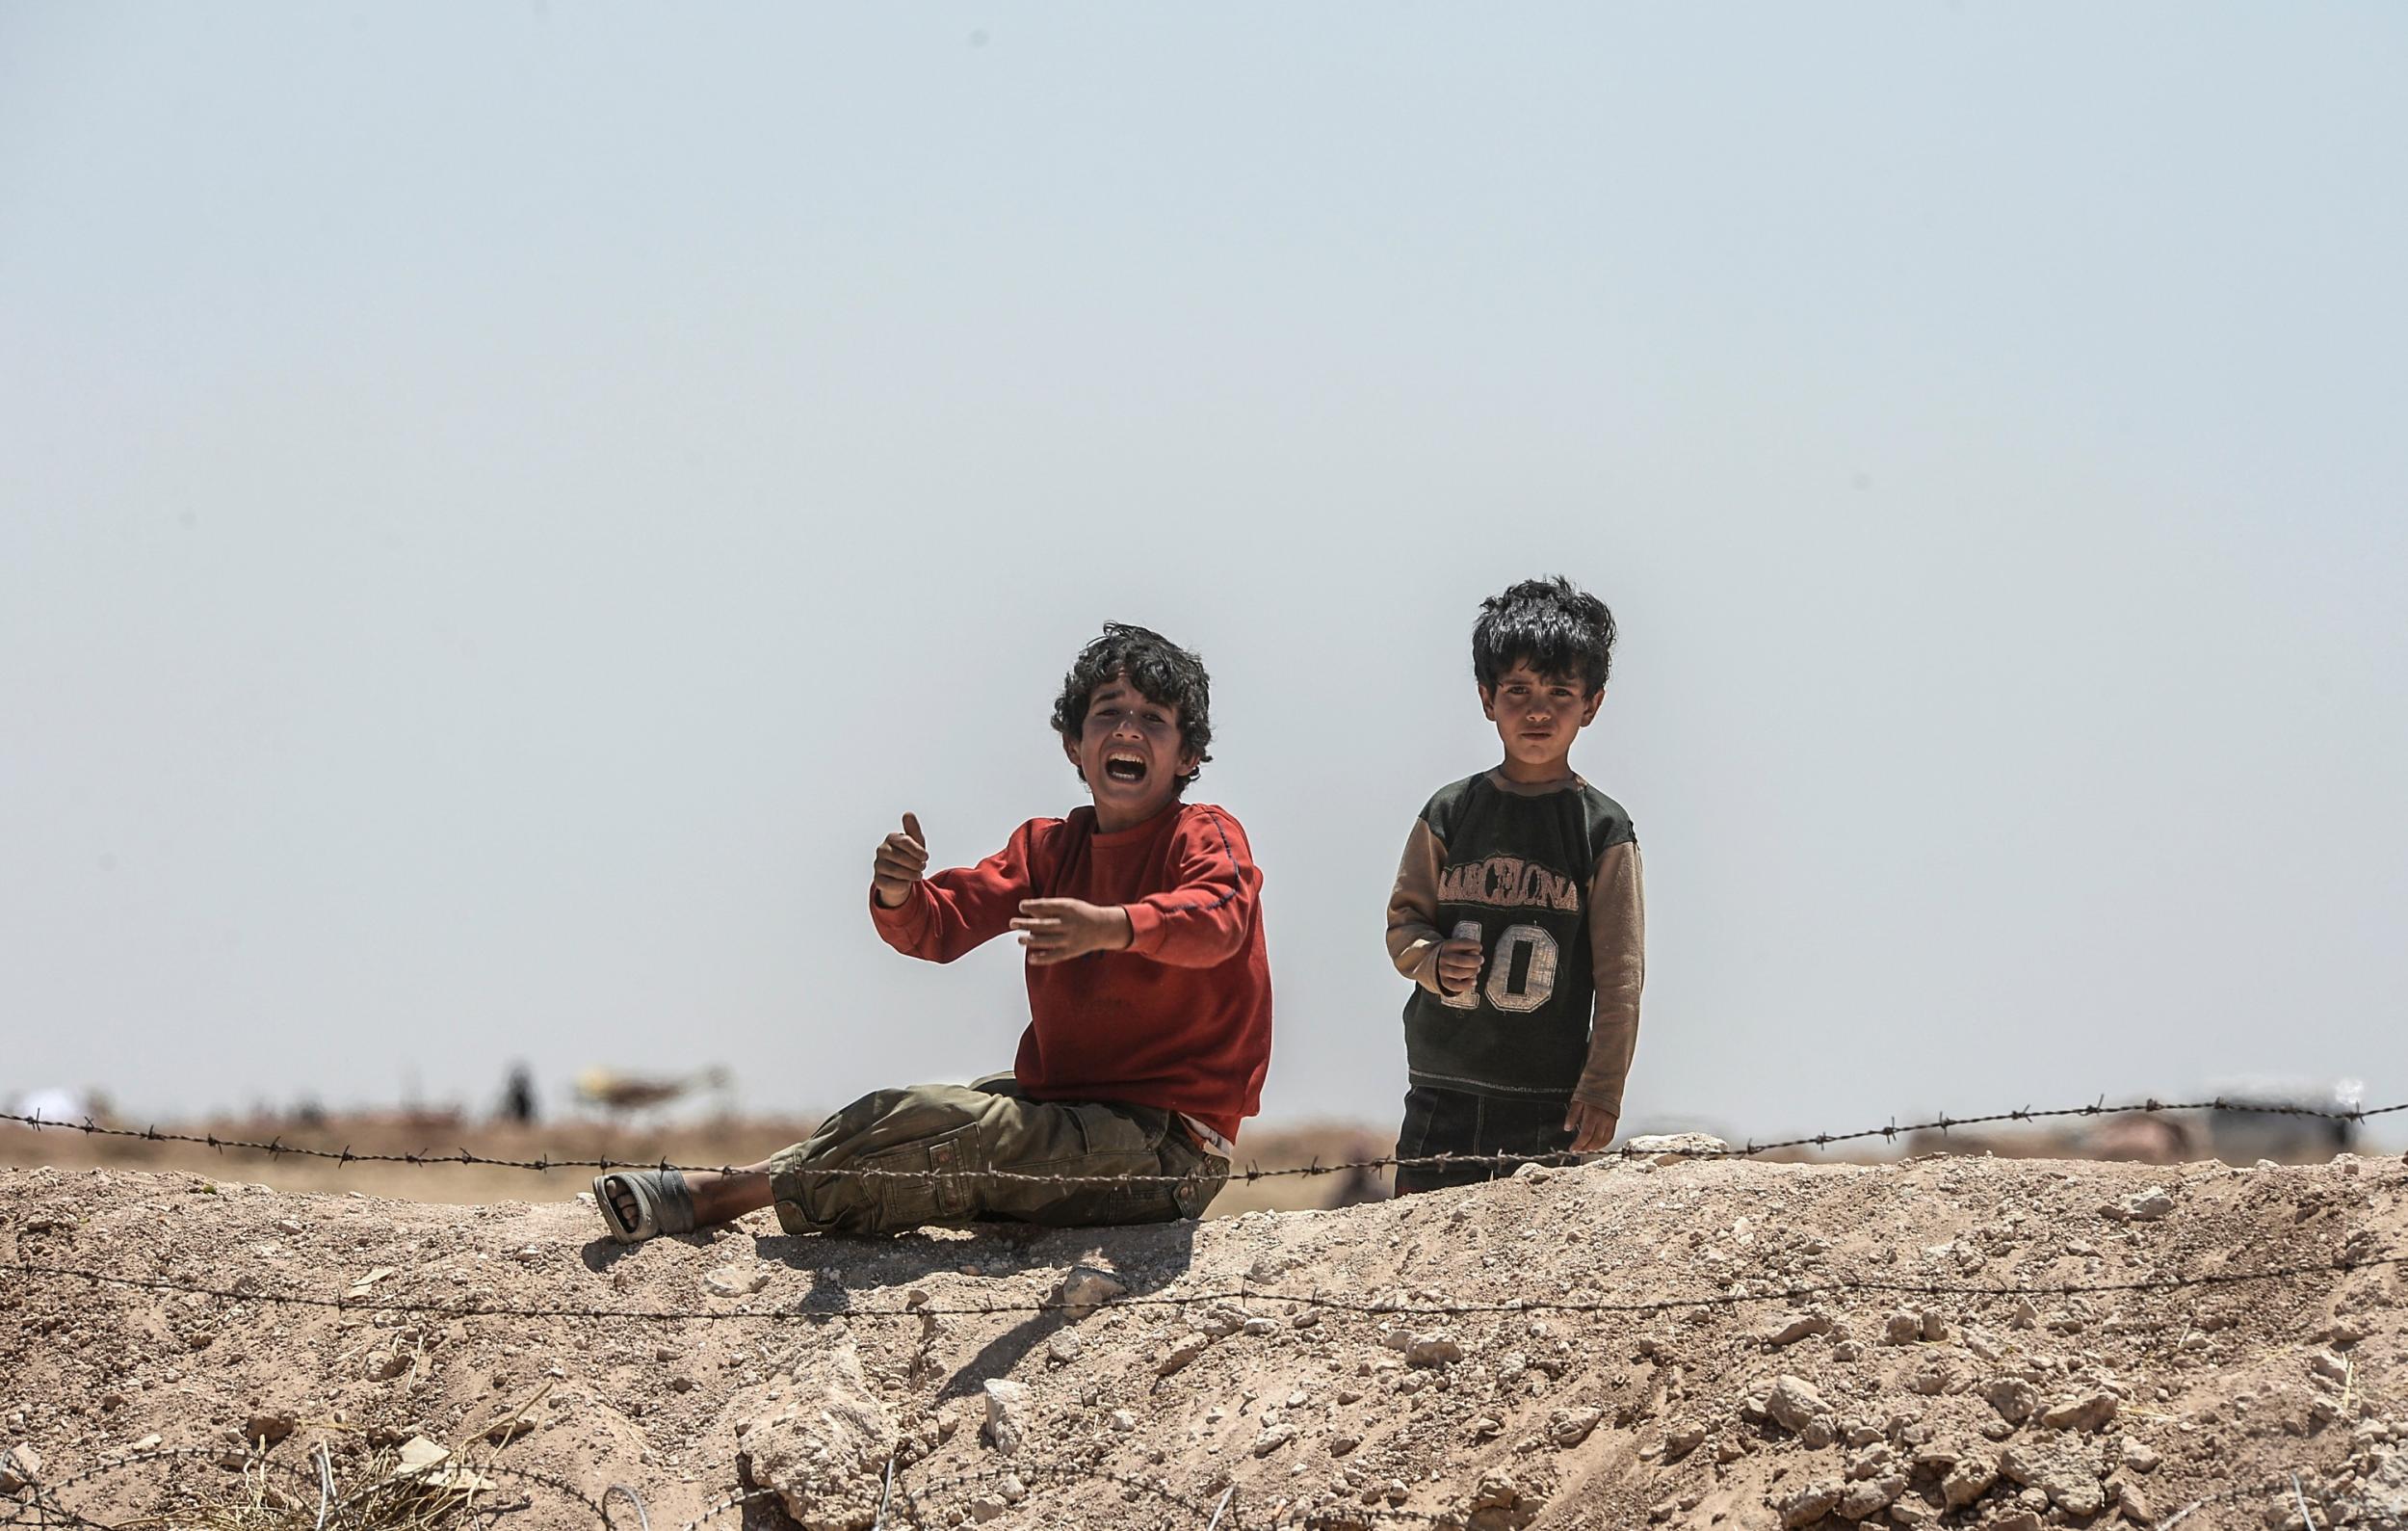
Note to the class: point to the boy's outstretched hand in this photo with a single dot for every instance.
(1055, 930)
(902, 860)
(1592, 1129)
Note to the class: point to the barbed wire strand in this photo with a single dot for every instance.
(644, 1518)
(1788, 1291)
(277, 1149)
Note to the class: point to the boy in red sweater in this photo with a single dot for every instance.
(1150, 1001)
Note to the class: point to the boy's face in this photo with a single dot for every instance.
(1539, 716)
(1130, 754)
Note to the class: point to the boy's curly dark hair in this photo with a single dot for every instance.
(1552, 626)
(1161, 669)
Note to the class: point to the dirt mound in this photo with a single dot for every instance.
(2005, 1343)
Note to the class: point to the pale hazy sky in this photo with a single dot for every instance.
(501, 509)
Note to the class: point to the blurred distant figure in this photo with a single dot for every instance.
(623, 1093)
(1359, 1182)
(518, 1097)
(2144, 1139)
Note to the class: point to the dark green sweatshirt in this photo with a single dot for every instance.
(1547, 880)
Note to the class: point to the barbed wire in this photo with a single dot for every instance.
(1788, 1291)
(277, 1148)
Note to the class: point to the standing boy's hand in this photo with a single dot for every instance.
(1458, 965)
(1592, 1128)
(902, 859)
(1055, 930)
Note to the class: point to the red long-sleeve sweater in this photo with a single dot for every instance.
(1181, 1019)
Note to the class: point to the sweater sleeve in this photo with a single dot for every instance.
(1413, 934)
(961, 908)
(1202, 919)
(1617, 943)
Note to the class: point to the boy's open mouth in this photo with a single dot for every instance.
(1125, 767)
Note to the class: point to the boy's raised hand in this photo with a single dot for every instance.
(1458, 964)
(902, 858)
(1055, 930)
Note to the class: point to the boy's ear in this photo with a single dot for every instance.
(1588, 708)
(1488, 701)
(1070, 753)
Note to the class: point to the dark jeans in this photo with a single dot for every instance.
(945, 1136)
(1456, 1122)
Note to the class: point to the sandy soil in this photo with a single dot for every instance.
(1731, 1344)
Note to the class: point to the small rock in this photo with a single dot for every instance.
(1122, 1421)
(1064, 1347)
(986, 1507)
(2145, 1206)
(1432, 1349)
(148, 1442)
(1792, 1328)
(2082, 1411)
(1272, 1438)
(2012, 1397)
(1569, 1427)
(418, 1454)
(2060, 1469)
(1811, 1503)
(1259, 1325)
(1007, 1414)
(1903, 1328)
(1495, 1491)
(1792, 1402)
(1970, 1479)
(1221, 1320)
(1870, 1496)
(1344, 1441)
(20, 1465)
(1912, 1509)
(2139, 1455)
(1083, 1290)
(735, 1280)
(1181, 1351)
(2134, 1503)
(1669, 1147)
(1819, 1433)
(1679, 1440)
(269, 1428)
(1935, 1325)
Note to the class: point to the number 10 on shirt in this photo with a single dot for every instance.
(1538, 973)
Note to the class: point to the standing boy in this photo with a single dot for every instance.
(1150, 1001)
(1517, 914)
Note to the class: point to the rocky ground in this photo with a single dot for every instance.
(1949, 1342)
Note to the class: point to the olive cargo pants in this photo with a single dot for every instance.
(945, 1136)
